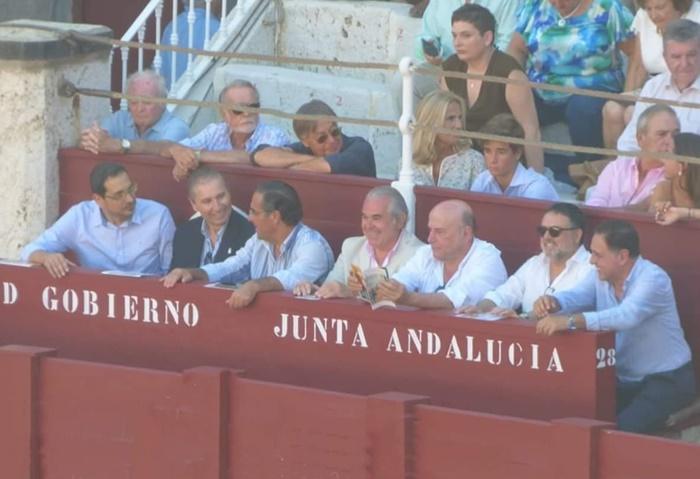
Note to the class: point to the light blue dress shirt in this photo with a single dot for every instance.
(526, 183)
(141, 245)
(168, 127)
(305, 256)
(437, 23)
(649, 336)
(217, 137)
(183, 29)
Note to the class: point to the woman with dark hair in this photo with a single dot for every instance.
(678, 197)
(473, 31)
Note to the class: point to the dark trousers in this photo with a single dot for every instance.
(584, 119)
(645, 405)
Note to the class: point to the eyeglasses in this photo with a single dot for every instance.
(335, 133)
(121, 195)
(241, 112)
(554, 231)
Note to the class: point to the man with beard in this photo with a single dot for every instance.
(562, 264)
(114, 231)
(633, 297)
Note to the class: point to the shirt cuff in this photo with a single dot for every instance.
(592, 321)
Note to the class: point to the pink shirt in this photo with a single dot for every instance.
(618, 185)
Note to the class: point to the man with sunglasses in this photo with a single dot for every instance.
(633, 297)
(562, 264)
(229, 141)
(114, 231)
(322, 147)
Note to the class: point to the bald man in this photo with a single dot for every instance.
(454, 269)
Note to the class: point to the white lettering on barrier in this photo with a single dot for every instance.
(495, 352)
(9, 293)
(133, 308)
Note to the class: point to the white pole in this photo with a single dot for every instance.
(158, 59)
(190, 38)
(405, 182)
(173, 42)
(125, 67)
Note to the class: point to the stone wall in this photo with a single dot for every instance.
(36, 120)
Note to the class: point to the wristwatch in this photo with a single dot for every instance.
(571, 323)
(126, 146)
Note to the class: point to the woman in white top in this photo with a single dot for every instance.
(505, 175)
(647, 59)
(441, 159)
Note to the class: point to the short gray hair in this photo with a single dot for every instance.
(651, 112)
(151, 75)
(682, 31)
(239, 83)
(397, 205)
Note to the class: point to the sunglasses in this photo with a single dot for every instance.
(250, 105)
(554, 231)
(335, 133)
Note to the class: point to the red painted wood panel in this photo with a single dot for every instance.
(339, 345)
(622, 456)
(332, 204)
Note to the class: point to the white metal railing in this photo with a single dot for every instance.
(195, 38)
(405, 182)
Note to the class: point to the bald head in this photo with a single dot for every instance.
(457, 210)
(451, 225)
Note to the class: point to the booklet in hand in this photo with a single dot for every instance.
(370, 279)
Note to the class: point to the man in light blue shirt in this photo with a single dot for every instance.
(633, 297)
(114, 231)
(231, 141)
(143, 120)
(282, 253)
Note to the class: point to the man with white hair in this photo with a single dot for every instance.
(144, 120)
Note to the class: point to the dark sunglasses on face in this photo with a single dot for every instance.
(250, 105)
(335, 133)
(554, 231)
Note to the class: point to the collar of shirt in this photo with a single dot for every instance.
(373, 263)
(97, 218)
(520, 177)
(219, 235)
(457, 273)
(287, 244)
(668, 83)
(156, 127)
(631, 277)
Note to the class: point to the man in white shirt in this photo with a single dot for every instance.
(562, 264)
(453, 269)
(681, 83)
(633, 297)
(385, 244)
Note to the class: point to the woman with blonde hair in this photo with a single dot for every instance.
(441, 159)
(678, 196)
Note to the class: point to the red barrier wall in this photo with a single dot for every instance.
(332, 204)
(106, 421)
(341, 345)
